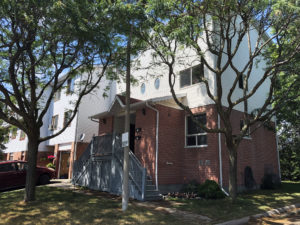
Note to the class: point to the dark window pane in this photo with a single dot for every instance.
(197, 73)
(193, 128)
(241, 82)
(191, 141)
(185, 78)
(6, 167)
(202, 140)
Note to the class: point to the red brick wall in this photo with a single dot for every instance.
(81, 147)
(202, 163)
(42, 157)
(259, 152)
(178, 164)
(145, 147)
(107, 127)
(171, 145)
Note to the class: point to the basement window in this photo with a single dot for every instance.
(191, 76)
(195, 136)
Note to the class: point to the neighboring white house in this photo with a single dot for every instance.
(80, 131)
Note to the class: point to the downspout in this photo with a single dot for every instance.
(156, 143)
(220, 157)
(76, 133)
(277, 149)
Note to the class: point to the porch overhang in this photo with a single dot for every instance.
(118, 106)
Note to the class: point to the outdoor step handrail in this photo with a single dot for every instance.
(133, 159)
(84, 160)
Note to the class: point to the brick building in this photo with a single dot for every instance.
(178, 158)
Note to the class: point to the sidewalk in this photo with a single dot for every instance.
(271, 213)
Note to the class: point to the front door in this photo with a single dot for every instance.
(64, 164)
(132, 137)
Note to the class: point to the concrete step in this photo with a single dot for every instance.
(150, 187)
(151, 192)
(149, 182)
(153, 197)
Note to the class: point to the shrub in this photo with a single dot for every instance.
(191, 187)
(270, 181)
(50, 165)
(210, 189)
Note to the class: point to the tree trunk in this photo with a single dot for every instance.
(232, 172)
(33, 145)
(125, 188)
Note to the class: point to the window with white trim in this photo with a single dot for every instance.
(54, 122)
(67, 117)
(194, 135)
(191, 76)
(70, 86)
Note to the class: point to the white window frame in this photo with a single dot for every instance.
(65, 115)
(54, 122)
(190, 135)
(191, 76)
(70, 86)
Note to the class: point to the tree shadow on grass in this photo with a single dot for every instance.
(56, 206)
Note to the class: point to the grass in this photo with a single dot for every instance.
(247, 204)
(57, 206)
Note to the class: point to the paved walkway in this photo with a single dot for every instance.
(61, 183)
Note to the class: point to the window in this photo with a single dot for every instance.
(242, 123)
(241, 82)
(54, 122)
(157, 83)
(57, 95)
(22, 135)
(195, 136)
(21, 166)
(191, 76)
(70, 86)
(23, 156)
(14, 132)
(7, 167)
(11, 156)
(143, 88)
(67, 117)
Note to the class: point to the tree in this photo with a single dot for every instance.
(220, 30)
(133, 17)
(289, 122)
(4, 134)
(44, 44)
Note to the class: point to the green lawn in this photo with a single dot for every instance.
(57, 206)
(246, 204)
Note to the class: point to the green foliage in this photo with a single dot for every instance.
(289, 153)
(210, 189)
(191, 187)
(50, 165)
